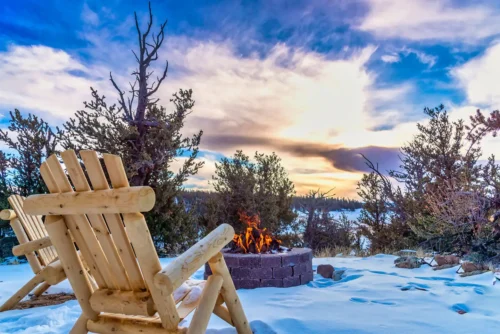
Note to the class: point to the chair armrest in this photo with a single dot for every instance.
(31, 246)
(7, 214)
(180, 269)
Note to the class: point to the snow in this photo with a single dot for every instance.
(372, 297)
(350, 214)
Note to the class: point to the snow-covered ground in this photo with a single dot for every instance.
(372, 297)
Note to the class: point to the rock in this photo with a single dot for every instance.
(408, 262)
(441, 260)
(452, 259)
(469, 267)
(326, 270)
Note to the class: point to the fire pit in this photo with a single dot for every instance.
(280, 270)
(257, 259)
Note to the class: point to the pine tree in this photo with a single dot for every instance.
(261, 187)
(4, 185)
(32, 141)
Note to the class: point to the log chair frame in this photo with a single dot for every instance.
(35, 244)
(115, 242)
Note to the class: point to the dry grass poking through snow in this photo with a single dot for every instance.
(348, 252)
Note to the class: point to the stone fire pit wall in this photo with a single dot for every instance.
(282, 270)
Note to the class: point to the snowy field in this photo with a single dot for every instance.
(372, 297)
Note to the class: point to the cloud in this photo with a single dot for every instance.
(340, 158)
(89, 16)
(479, 77)
(290, 93)
(390, 58)
(423, 57)
(426, 20)
(287, 95)
(44, 79)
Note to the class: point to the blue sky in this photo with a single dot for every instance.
(316, 81)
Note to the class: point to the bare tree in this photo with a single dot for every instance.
(146, 136)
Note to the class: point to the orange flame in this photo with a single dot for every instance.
(254, 239)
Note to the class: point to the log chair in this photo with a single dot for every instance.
(134, 294)
(35, 244)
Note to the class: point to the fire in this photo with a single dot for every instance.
(254, 240)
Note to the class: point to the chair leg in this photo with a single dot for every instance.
(222, 311)
(228, 292)
(41, 289)
(201, 316)
(21, 293)
(80, 326)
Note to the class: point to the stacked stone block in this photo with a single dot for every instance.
(283, 270)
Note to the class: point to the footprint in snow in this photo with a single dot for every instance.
(378, 272)
(460, 308)
(415, 286)
(350, 278)
(383, 302)
(435, 279)
(289, 302)
(321, 283)
(364, 301)
(478, 289)
(358, 300)
(463, 285)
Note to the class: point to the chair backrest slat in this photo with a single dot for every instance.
(80, 183)
(57, 182)
(119, 179)
(99, 182)
(33, 227)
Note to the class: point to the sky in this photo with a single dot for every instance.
(317, 82)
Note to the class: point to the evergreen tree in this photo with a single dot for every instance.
(446, 193)
(4, 185)
(384, 229)
(261, 187)
(322, 230)
(32, 141)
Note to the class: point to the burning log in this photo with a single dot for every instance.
(254, 239)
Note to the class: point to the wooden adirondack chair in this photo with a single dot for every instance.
(35, 243)
(134, 294)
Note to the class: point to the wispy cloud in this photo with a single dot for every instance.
(427, 20)
(45, 80)
(89, 16)
(391, 58)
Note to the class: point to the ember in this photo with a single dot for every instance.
(254, 240)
